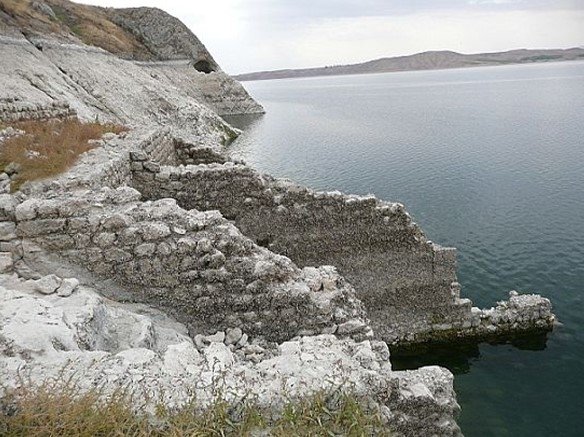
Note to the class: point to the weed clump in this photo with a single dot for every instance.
(60, 409)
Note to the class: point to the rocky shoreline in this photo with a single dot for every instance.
(159, 263)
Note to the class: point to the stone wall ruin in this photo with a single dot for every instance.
(407, 283)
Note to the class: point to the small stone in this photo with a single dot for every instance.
(178, 230)
(204, 245)
(136, 166)
(68, 286)
(351, 327)
(12, 168)
(218, 337)
(138, 155)
(164, 249)
(253, 349)
(233, 336)
(116, 222)
(329, 329)
(108, 136)
(199, 341)
(48, 284)
(151, 166)
(105, 239)
(242, 341)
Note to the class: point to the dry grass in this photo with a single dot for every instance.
(90, 24)
(58, 409)
(24, 14)
(94, 27)
(48, 148)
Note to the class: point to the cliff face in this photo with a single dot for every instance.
(144, 34)
(99, 61)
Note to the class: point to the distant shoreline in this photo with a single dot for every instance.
(443, 60)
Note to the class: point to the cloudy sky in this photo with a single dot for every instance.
(251, 35)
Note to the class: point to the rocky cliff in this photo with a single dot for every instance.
(151, 64)
(156, 261)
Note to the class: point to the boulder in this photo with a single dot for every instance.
(48, 284)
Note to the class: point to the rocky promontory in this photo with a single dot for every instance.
(158, 263)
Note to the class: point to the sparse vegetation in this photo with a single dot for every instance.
(89, 23)
(48, 148)
(59, 409)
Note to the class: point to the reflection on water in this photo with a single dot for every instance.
(488, 160)
(458, 358)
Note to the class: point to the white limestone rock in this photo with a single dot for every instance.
(233, 336)
(68, 286)
(48, 284)
(101, 342)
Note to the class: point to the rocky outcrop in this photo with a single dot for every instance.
(100, 343)
(164, 36)
(50, 65)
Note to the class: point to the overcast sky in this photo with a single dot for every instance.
(251, 35)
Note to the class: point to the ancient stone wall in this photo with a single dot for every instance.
(375, 245)
(196, 265)
(13, 110)
(407, 283)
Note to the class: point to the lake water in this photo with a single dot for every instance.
(488, 160)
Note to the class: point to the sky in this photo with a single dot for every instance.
(253, 35)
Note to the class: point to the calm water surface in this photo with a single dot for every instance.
(489, 160)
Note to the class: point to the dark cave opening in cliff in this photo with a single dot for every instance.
(204, 67)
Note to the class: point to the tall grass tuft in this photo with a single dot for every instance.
(59, 409)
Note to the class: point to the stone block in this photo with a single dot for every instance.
(155, 231)
(105, 239)
(27, 210)
(136, 166)
(7, 231)
(151, 166)
(145, 249)
(6, 263)
(36, 228)
(7, 206)
(117, 256)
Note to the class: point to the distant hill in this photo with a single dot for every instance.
(424, 61)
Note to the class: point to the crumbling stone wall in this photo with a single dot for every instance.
(407, 284)
(196, 265)
(14, 110)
